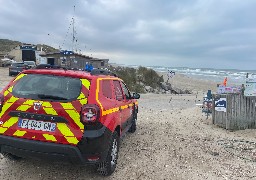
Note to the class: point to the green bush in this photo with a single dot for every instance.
(136, 79)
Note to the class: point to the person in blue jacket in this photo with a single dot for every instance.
(88, 67)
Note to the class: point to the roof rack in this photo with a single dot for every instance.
(102, 72)
(93, 72)
(47, 66)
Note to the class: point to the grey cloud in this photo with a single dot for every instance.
(181, 33)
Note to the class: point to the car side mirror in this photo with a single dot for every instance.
(136, 96)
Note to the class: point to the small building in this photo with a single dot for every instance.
(25, 52)
(70, 59)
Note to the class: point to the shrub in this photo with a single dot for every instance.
(136, 79)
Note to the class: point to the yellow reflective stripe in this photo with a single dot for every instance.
(112, 110)
(86, 83)
(98, 90)
(6, 93)
(19, 133)
(81, 96)
(47, 104)
(109, 111)
(19, 76)
(50, 111)
(49, 137)
(83, 101)
(10, 89)
(76, 117)
(69, 108)
(23, 107)
(29, 102)
(66, 132)
(26, 105)
(8, 124)
(67, 105)
(8, 104)
(97, 93)
(124, 107)
(48, 108)
(72, 140)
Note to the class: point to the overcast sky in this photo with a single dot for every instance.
(172, 33)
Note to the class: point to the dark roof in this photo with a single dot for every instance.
(59, 53)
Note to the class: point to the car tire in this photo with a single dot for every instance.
(107, 167)
(11, 157)
(10, 74)
(133, 126)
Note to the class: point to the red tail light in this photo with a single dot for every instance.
(90, 113)
(1, 102)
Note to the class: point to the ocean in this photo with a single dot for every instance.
(234, 76)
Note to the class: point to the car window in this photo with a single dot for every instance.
(18, 65)
(37, 86)
(126, 91)
(29, 63)
(118, 91)
(107, 89)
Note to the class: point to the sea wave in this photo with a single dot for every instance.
(217, 75)
(234, 76)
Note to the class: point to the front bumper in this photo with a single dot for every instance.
(81, 154)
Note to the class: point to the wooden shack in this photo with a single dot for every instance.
(240, 112)
(73, 60)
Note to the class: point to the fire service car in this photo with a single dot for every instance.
(66, 115)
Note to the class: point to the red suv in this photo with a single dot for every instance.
(66, 115)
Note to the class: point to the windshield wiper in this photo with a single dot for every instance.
(43, 96)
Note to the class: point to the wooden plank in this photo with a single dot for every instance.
(243, 107)
(249, 125)
(247, 112)
(238, 103)
(234, 112)
(229, 112)
(254, 113)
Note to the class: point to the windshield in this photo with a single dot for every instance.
(47, 87)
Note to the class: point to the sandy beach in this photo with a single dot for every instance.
(174, 140)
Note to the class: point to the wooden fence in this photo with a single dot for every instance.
(240, 112)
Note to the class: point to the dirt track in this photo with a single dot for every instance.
(173, 141)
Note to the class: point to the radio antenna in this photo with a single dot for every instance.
(73, 34)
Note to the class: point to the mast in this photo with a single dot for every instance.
(73, 33)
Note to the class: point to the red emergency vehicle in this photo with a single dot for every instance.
(66, 115)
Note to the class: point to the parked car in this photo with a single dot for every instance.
(47, 66)
(31, 64)
(16, 68)
(66, 115)
(6, 62)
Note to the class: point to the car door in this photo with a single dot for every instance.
(120, 102)
(123, 102)
(128, 104)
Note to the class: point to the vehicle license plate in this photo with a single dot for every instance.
(37, 125)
